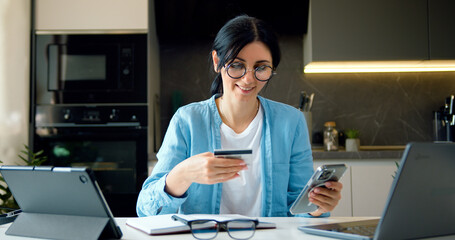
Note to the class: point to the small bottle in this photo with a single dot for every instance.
(330, 137)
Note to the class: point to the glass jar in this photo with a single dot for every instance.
(330, 137)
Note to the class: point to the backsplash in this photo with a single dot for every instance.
(387, 108)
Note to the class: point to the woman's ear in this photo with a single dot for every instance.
(216, 60)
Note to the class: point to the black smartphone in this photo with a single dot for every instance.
(323, 174)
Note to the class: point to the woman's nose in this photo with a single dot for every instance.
(249, 76)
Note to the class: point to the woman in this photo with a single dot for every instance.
(188, 178)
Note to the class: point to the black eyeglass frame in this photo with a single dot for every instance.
(220, 224)
(9, 216)
(255, 71)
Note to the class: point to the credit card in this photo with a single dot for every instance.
(233, 153)
(244, 154)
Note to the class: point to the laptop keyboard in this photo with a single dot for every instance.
(364, 230)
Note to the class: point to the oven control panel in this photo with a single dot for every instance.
(109, 116)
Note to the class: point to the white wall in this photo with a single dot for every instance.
(14, 77)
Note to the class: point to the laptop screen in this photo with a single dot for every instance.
(422, 197)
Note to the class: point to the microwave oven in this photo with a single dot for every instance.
(90, 68)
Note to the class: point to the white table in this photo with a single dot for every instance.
(286, 228)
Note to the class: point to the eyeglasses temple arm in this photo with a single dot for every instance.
(177, 218)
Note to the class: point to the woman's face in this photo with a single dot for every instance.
(247, 87)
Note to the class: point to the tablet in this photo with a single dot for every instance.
(61, 202)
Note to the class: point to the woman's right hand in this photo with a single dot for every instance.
(203, 168)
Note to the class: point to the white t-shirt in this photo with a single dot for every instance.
(243, 195)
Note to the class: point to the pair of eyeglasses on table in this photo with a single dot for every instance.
(9, 216)
(205, 229)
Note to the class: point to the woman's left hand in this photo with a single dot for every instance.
(326, 198)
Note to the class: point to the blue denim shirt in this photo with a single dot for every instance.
(287, 162)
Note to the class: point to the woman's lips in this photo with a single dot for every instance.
(245, 89)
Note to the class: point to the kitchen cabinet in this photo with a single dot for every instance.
(441, 29)
(378, 30)
(358, 30)
(91, 15)
(371, 182)
(366, 185)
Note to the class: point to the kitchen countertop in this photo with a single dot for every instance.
(366, 152)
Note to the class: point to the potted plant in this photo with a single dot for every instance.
(352, 140)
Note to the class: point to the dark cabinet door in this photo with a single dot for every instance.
(359, 30)
(442, 29)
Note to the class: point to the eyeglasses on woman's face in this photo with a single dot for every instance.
(262, 73)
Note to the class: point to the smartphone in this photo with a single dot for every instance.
(323, 174)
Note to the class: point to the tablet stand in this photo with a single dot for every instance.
(53, 226)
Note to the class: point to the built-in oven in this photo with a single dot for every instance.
(90, 108)
(91, 68)
(110, 139)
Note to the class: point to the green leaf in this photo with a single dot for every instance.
(352, 133)
(22, 158)
(395, 173)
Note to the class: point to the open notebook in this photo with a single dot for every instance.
(164, 224)
(420, 203)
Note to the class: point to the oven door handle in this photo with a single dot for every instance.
(54, 52)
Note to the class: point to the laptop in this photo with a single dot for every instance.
(421, 202)
(59, 203)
